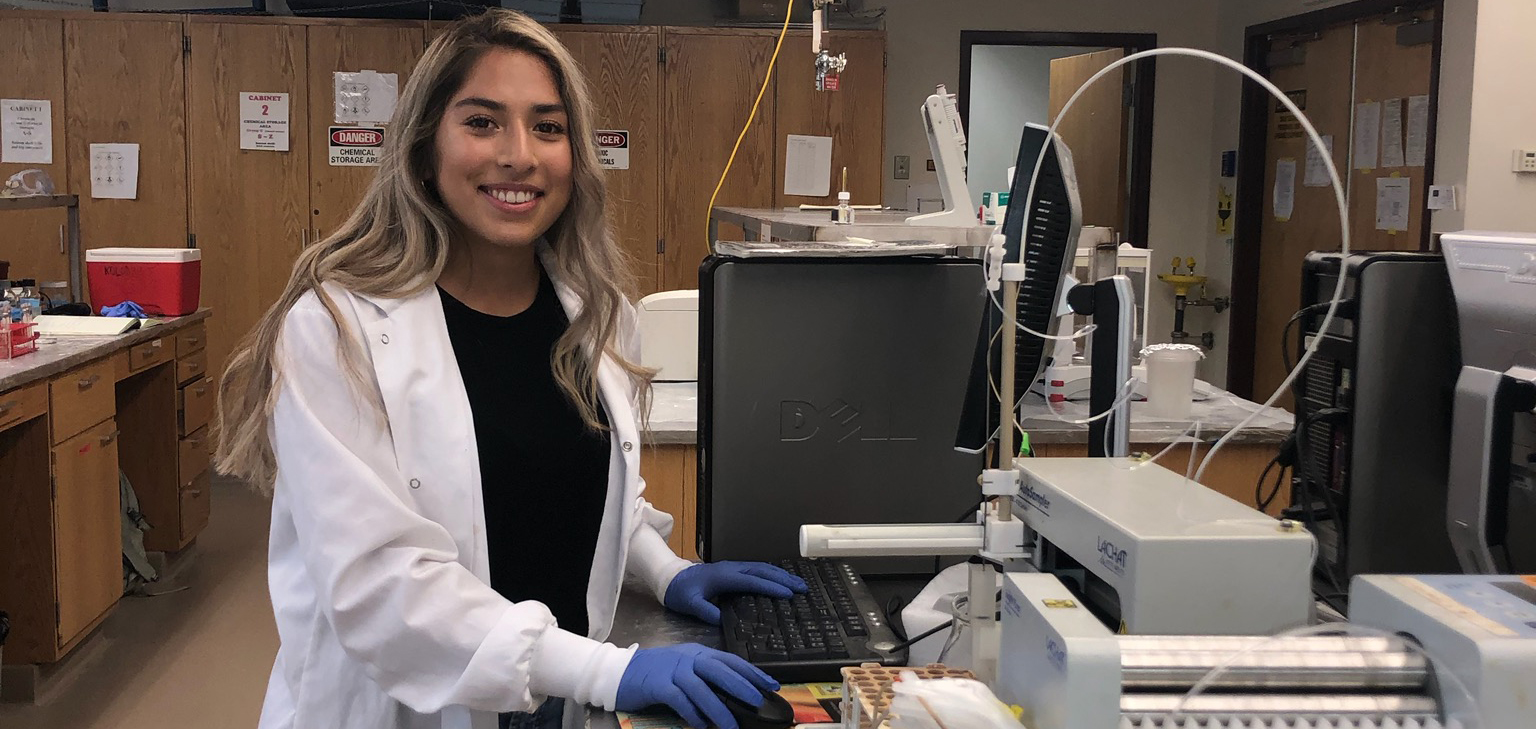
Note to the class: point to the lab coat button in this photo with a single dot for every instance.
(628, 446)
(415, 483)
(384, 338)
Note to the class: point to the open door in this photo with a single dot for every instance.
(1367, 85)
(1096, 131)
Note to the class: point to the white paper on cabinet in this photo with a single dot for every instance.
(1392, 203)
(115, 171)
(1317, 169)
(27, 127)
(365, 97)
(1392, 133)
(808, 166)
(1285, 188)
(1367, 148)
(1418, 131)
(264, 121)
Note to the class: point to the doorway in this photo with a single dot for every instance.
(1010, 78)
(1367, 75)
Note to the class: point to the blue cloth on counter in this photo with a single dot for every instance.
(125, 309)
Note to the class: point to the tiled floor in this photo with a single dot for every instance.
(185, 660)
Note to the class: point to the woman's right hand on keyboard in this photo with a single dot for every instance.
(686, 677)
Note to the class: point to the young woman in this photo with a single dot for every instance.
(443, 407)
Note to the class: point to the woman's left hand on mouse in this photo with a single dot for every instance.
(692, 591)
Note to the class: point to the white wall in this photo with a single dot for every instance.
(1010, 86)
(923, 41)
(1502, 114)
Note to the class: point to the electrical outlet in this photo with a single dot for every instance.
(1525, 160)
(903, 167)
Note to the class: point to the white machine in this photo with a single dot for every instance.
(946, 140)
(669, 335)
(1476, 667)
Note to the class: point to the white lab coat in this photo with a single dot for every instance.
(377, 562)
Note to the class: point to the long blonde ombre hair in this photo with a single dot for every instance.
(396, 242)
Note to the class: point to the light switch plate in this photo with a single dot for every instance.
(903, 167)
(1525, 160)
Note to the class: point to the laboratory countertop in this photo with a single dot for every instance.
(674, 419)
(58, 354)
(793, 224)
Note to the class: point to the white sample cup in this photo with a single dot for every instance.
(1171, 379)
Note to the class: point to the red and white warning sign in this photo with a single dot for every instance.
(356, 146)
(612, 148)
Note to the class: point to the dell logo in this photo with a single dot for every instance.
(838, 421)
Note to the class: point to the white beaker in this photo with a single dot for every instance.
(1171, 379)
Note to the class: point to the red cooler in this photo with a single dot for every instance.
(162, 281)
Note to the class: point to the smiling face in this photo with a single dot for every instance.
(503, 151)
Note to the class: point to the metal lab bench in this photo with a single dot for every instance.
(791, 224)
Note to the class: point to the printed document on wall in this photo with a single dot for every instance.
(1392, 133)
(264, 121)
(1392, 203)
(27, 128)
(1285, 189)
(1367, 148)
(1317, 168)
(115, 171)
(365, 97)
(1418, 131)
(808, 166)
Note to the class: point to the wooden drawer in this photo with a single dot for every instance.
(194, 405)
(81, 398)
(87, 524)
(191, 366)
(149, 354)
(23, 404)
(191, 339)
(195, 502)
(195, 455)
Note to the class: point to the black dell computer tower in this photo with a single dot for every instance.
(1373, 415)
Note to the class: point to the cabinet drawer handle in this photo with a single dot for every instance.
(6, 406)
(193, 366)
(107, 439)
(86, 382)
(192, 341)
(200, 390)
(158, 343)
(194, 442)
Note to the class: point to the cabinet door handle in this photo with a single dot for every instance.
(107, 439)
(198, 492)
(86, 382)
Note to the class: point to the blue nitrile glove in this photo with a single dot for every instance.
(680, 677)
(692, 589)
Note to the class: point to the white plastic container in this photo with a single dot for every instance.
(1171, 379)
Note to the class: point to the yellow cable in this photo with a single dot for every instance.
(772, 62)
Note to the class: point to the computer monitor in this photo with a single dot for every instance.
(1491, 510)
(1046, 244)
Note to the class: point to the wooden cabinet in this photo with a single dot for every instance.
(711, 78)
(249, 208)
(623, 72)
(124, 84)
(81, 398)
(382, 47)
(21, 405)
(35, 238)
(86, 517)
(671, 476)
(149, 354)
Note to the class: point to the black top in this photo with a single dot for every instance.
(544, 474)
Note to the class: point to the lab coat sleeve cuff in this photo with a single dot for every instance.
(655, 562)
(577, 668)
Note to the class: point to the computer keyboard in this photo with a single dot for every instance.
(809, 637)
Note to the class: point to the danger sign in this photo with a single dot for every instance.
(356, 146)
(612, 148)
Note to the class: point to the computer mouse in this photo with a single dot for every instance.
(775, 713)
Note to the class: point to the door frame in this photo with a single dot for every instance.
(1143, 79)
(1253, 138)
